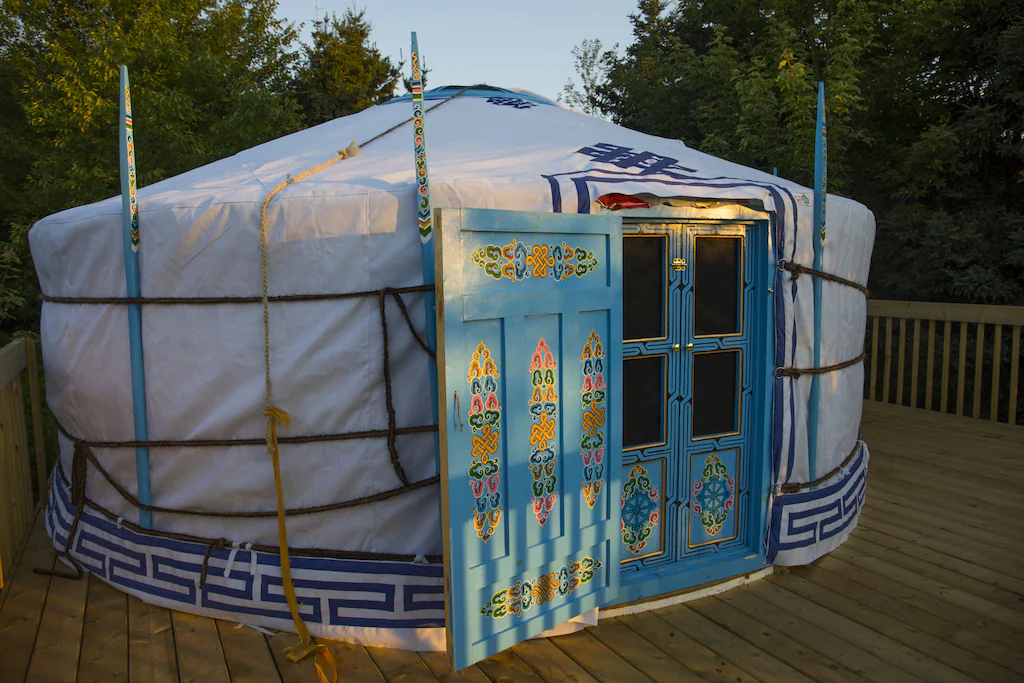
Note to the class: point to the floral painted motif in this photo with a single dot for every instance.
(640, 509)
(544, 408)
(523, 595)
(713, 495)
(592, 395)
(485, 421)
(519, 261)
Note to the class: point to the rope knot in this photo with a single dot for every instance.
(79, 469)
(274, 417)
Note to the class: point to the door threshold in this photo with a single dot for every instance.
(684, 595)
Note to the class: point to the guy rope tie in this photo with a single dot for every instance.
(79, 469)
(796, 270)
(325, 665)
(797, 373)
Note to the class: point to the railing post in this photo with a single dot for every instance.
(42, 472)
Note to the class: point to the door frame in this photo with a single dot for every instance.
(687, 573)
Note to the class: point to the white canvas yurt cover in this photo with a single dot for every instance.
(343, 259)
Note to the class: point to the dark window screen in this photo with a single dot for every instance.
(643, 287)
(716, 286)
(715, 385)
(643, 400)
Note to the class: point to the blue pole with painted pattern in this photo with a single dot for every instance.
(820, 190)
(425, 222)
(130, 237)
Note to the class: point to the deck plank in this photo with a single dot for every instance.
(954, 596)
(966, 583)
(438, 664)
(23, 607)
(642, 654)
(685, 650)
(507, 667)
(400, 665)
(59, 641)
(750, 658)
(787, 650)
(596, 658)
(247, 655)
(550, 663)
(200, 655)
(895, 653)
(152, 657)
(105, 635)
(850, 600)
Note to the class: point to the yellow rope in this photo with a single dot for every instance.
(326, 668)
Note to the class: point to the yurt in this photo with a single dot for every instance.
(583, 368)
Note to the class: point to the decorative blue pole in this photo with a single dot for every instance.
(130, 231)
(425, 224)
(820, 190)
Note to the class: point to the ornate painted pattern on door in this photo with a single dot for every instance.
(531, 360)
(715, 471)
(649, 471)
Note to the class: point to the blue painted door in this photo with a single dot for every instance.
(529, 356)
(696, 376)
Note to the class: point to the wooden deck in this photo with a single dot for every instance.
(930, 587)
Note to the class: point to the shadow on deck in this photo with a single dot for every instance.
(930, 587)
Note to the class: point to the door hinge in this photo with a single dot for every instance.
(679, 264)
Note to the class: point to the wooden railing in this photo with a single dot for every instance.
(945, 357)
(17, 505)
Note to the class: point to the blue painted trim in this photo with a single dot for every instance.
(130, 238)
(818, 237)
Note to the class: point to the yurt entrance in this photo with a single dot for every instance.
(695, 337)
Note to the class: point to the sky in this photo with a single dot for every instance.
(513, 43)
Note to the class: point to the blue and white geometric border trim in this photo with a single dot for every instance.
(369, 602)
(805, 526)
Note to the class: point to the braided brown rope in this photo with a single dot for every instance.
(306, 552)
(127, 495)
(797, 270)
(793, 488)
(796, 373)
(209, 300)
(79, 471)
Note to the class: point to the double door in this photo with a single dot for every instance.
(693, 369)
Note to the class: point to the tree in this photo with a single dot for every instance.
(925, 105)
(342, 72)
(592, 63)
(209, 78)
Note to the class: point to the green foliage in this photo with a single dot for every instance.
(209, 78)
(342, 72)
(592, 63)
(925, 104)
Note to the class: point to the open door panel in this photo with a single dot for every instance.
(529, 321)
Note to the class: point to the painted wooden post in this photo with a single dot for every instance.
(425, 224)
(130, 233)
(820, 190)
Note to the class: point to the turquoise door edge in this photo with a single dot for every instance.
(529, 320)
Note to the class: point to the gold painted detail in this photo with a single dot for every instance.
(523, 595)
(519, 261)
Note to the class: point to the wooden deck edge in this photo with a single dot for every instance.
(685, 595)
